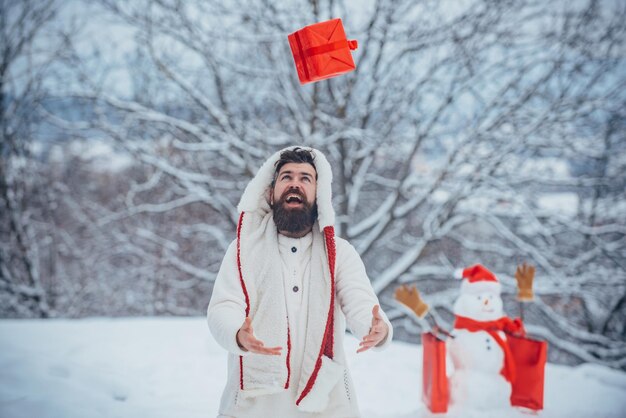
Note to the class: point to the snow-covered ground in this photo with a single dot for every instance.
(155, 367)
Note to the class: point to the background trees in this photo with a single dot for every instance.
(478, 131)
(24, 197)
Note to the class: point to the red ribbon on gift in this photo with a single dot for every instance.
(333, 46)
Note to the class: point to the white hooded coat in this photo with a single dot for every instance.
(310, 377)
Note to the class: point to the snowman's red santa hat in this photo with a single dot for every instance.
(478, 279)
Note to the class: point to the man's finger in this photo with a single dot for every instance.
(366, 339)
(272, 351)
(257, 345)
(371, 337)
(377, 327)
(365, 347)
(375, 311)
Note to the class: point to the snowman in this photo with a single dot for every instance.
(482, 360)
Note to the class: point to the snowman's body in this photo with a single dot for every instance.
(476, 380)
(477, 357)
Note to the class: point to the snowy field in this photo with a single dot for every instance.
(128, 368)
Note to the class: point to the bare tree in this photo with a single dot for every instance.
(22, 68)
(459, 138)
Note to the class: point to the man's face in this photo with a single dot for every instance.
(293, 198)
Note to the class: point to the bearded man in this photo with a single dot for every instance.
(284, 293)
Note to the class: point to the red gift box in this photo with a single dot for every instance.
(321, 51)
(435, 391)
(530, 360)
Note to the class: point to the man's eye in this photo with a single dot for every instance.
(308, 180)
(286, 178)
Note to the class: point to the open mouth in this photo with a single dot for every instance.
(293, 199)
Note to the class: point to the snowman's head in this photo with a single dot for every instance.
(479, 305)
(480, 294)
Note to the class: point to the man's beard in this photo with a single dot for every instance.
(294, 220)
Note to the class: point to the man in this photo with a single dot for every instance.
(284, 292)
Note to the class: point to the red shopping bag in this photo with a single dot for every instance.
(435, 392)
(321, 51)
(530, 360)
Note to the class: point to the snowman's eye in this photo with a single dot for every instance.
(479, 297)
(490, 296)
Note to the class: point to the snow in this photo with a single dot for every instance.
(101, 155)
(552, 168)
(565, 203)
(172, 367)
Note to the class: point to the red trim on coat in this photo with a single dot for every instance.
(327, 343)
(240, 372)
(243, 284)
(288, 355)
(243, 287)
(329, 232)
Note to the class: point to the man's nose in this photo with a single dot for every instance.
(295, 185)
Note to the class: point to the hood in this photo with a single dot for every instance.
(255, 197)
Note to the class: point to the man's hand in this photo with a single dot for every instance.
(377, 333)
(248, 342)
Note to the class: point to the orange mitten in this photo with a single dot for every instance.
(410, 297)
(524, 276)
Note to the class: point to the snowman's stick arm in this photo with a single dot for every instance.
(524, 276)
(436, 327)
(427, 321)
(410, 301)
(421, 321)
